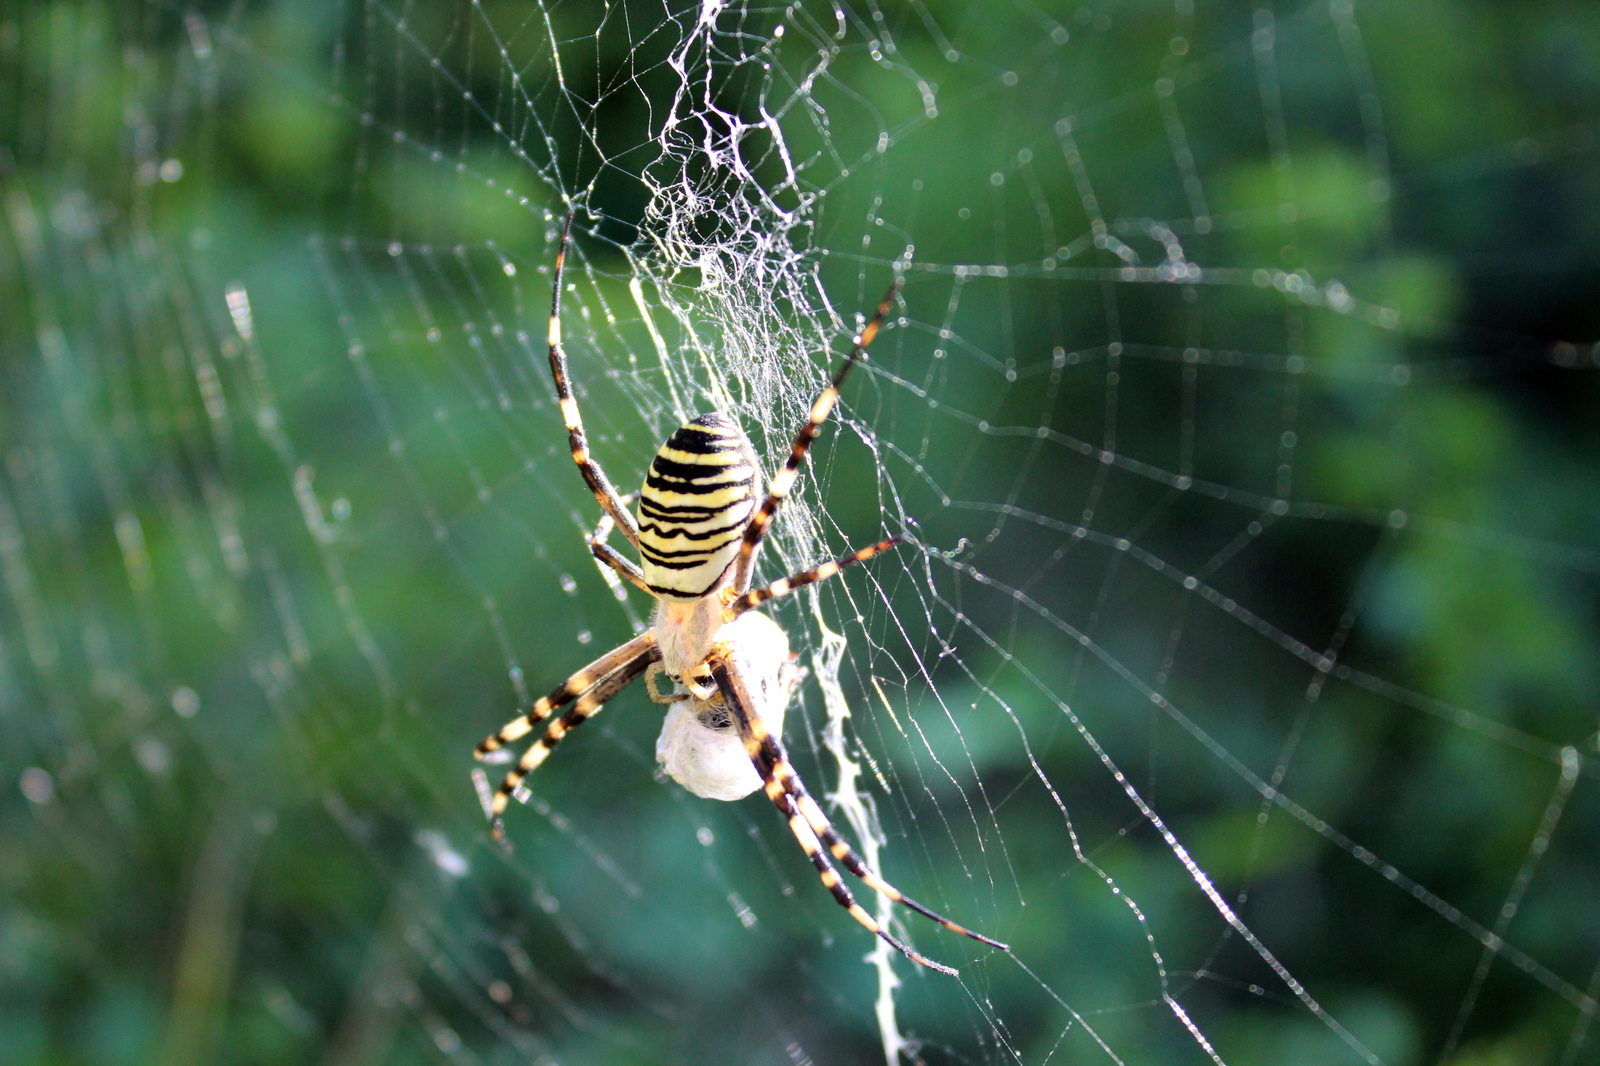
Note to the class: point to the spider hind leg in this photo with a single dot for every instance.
(821, 407)
(578, 442)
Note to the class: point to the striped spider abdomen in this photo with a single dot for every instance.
(696, 501)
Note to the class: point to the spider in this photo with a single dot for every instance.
(698, 532)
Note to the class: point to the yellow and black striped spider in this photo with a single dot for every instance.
(698, 533)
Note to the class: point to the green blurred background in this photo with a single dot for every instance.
(1241, 397)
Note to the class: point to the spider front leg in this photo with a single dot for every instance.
(809, 825)
(587, 707)
(591, 686)
(699, 746)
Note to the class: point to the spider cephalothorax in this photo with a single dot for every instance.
(698, 531)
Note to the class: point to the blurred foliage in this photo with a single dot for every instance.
(241, 667)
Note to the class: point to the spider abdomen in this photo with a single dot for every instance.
(696, 501)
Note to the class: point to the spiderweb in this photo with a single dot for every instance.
(1237, 405)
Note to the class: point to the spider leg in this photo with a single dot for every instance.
(783, 773)
(607, 554)
(810, 826)
(784, 586)
(604, 492)
(784, 481)
(599, 670)
(653, 671)
(587, 707)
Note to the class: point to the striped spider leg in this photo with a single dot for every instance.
(806, 820)
(698, 532)
(591, 686)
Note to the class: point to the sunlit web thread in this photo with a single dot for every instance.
(1454, 915)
